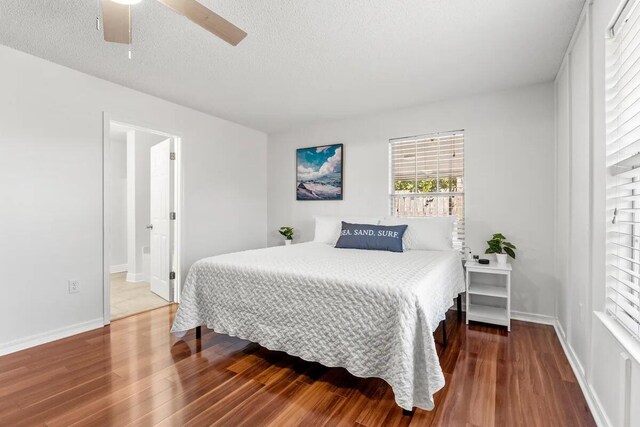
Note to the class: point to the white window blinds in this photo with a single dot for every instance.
(427, 178)
(623, 170)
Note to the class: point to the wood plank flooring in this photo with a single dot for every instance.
(134, 373)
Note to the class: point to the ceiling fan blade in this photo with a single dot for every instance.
(207, 19)
(116, 22)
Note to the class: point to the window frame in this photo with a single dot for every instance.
(459, 233)
(622, 253)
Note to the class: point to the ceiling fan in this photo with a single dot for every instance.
(116, 18)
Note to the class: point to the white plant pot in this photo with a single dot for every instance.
(287, 242)
(502, 258)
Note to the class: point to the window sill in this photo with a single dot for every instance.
(630, 344)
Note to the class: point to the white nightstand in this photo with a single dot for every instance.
(489, 293)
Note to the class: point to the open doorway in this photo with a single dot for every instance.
(141, 231)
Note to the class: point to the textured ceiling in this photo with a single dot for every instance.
(307, 60)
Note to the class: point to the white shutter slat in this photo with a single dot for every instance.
(627, 283)
(628, 307)
(627, 259)
(623, 151)
(625, 165)
(622, 187)
(628, 174)
(626, 293)
(625, 271)
(620, 233)
(621, 37)
(624, 246)
(627, 67)
(620, 102)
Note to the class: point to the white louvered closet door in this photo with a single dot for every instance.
(623, 167)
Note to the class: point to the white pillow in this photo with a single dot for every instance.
(427, 234)
(328, 228)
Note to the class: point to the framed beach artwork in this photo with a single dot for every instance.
(319, 173)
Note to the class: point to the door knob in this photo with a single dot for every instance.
(150, 226)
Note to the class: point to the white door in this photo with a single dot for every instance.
(160, 225)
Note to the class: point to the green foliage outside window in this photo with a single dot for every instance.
(447, 184)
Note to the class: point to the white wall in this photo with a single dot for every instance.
(509, 176)
(51, 121)
(118, 202)
(597, 356)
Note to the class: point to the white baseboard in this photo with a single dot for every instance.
(119, 268)
(526, 317)
(533, 318)
(45, 337)
(590, 396)
(137, 277)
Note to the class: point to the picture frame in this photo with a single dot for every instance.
(319, 172)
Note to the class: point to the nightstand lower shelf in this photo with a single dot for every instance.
(488, 314)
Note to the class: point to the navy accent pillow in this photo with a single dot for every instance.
(373, 237)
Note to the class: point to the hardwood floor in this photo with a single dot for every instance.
(135, 373)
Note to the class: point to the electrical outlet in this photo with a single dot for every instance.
(74, 286)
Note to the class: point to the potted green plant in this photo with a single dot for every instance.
(498, 245)
(287, 232)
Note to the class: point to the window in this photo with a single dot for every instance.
(623, 171)
(427, 178)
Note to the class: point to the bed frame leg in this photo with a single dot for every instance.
(198, 332)
(406, 412)
(444, 333)
(459, 306)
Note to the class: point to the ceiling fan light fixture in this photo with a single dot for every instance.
(127, 2)
(116, 20)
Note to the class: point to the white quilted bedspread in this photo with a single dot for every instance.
(371, 312)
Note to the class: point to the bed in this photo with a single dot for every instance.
(371, 312)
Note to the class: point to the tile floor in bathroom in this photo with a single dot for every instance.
(129, 298)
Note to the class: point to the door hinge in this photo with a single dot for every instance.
(172, 275)
(172, 156)
(172, 215)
